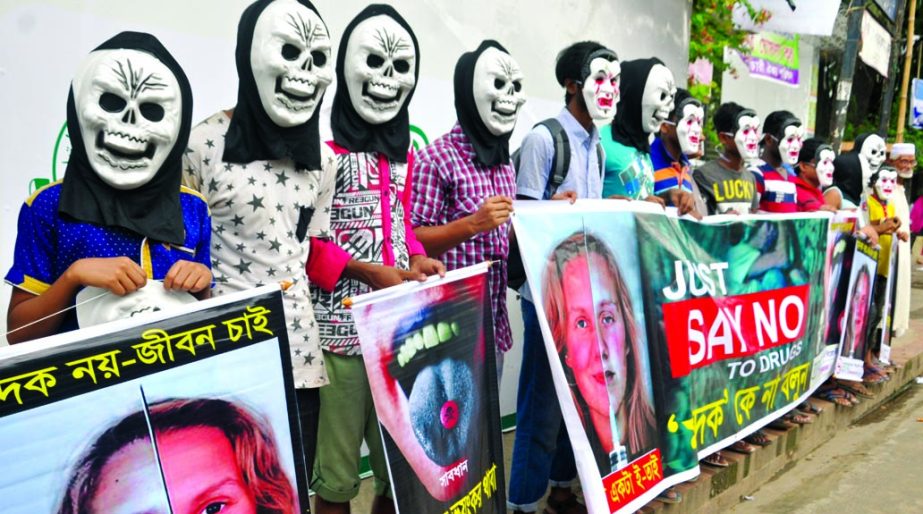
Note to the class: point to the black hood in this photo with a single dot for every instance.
(152, 210)
(252, 135)
(847, 176)
(489, 149)
(627, 126)
(350, 131)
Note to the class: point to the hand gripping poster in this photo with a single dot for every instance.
(429, 352)
(174, 414)
(669, 339)
(854, 320)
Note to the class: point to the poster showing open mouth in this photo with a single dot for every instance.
(429, 352)
(669, 339)
(179, 414)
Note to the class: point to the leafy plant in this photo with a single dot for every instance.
(712, 30)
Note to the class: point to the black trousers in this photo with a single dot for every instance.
(308, 414)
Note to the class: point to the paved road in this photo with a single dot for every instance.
(874, 466)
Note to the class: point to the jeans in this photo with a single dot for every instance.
(542, 452)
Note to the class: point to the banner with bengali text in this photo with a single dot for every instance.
(668, 338)
(187, 412)
(430, 355)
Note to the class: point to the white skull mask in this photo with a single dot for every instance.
(747, 136)
(290, 58)
(689, 129)
(874, 151)
(824, 167)
(129, 106)
(657, 99)
(887, 181)
(379, 68)
(791, 143)
(601, 88)
(498, 95)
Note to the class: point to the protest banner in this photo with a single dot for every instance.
(884, 354)
(430, 355)
(840, 250)
(172, 413)
(669, 339)
(853, 321)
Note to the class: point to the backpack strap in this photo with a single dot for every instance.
(561, 161)
(601, 160)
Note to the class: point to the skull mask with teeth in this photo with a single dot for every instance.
(488, 98)
(128, 117)
(872, 147)
(497, 84)
(647, 98)
(289, 55)
(362, 118)
(380, 68)
(128, 105)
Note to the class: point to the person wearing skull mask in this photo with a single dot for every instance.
(119, 218)
(780, 144)
(879, 207)
(873, 150)
(464, 184)
(679, 138)
(542, 452)
(815, 172)
(725, 183)
(268, 180)
(377, 67)
(903, 158)
(648, 91)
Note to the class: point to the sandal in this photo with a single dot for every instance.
(742, 447)
(799, 418)
(759, 438)
(780, 424)
(810, 408)
(835, 396)
(670, 495)
(857, 389)
(877, 370)
(716, 460)
(569, 505)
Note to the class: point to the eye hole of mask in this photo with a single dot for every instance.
(498, 84)
(151, 111)
(517, 85)
(111, 102)
(290, 52)
(401, 66)
(374, 61)
(319, 58)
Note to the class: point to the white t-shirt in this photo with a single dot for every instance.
(255, 209)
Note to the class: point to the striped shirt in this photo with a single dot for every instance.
(776, 188)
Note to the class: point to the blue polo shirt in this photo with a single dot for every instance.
(47, 243)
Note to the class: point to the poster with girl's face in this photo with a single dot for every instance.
(187, 414)
(586, 287)
(854, 319)
(429, 352)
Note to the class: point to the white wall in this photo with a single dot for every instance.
(42, 41)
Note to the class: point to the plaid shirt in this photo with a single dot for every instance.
(448, 184)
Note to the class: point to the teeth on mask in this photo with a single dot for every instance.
(455, 328)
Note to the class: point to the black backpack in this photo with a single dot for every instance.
(515, 272)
